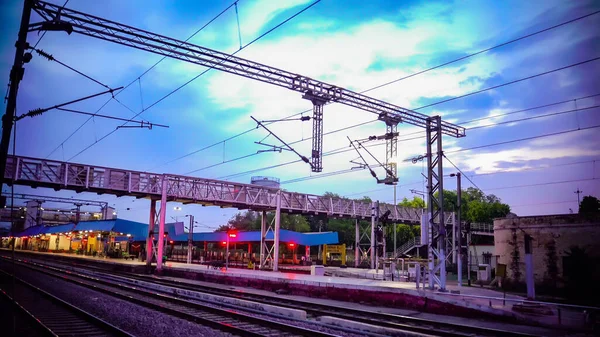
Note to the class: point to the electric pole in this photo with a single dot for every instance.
(16, 75)
(578, 192)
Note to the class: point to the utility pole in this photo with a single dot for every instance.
(578, 192)
(78, 212)
(190, 240)
(16, 75)
(395, 217)
(459, 220)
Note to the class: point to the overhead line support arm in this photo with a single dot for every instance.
(320, 93)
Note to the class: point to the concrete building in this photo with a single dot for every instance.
(561, 243)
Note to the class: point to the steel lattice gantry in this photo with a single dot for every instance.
(56, 18)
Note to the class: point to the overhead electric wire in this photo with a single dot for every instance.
(542, 184)
(403, 78)
(199, 75)
(140, 76)
(509, 83)
(421, 132)
(524, 139)
(467, 176)
(49, 57)
(345, 149)
(464, 175)
(107, 116)
(534, 117)
(484, 50)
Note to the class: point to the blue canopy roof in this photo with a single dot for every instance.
(58, 229)
(99, 225)
(176, 233)
(139, 232)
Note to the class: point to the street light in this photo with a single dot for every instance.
(231, 235)
(459, 238)
(190, 238)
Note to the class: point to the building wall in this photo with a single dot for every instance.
(564, 230)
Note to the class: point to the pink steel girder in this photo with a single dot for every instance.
(58, 175)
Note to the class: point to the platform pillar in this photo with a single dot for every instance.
(150, 238)
(263, 233)
(356, 244)
(373, 217)
(276, 236)
(161, 225)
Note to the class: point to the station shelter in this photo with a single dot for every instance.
(244, 247)
(116, 238)
(123, 238)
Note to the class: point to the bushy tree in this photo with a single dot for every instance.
(590, 205)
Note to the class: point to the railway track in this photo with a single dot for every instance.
(47, 315)
(390, 321)
(227, 320)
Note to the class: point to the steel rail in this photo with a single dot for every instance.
(221, 319)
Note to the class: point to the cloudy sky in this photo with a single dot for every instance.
(353, 44)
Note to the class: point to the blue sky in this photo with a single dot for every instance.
(354, 44)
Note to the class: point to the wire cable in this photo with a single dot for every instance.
(202, 73)
(484, 50)
(49, 57)
(140, 76)
(524, 139)
(509, 83)
(466, 176)
(421, 132)
(414, 74)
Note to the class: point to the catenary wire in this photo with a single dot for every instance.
(199, 75)
(479, 91)
(139, 77)
(405, 77)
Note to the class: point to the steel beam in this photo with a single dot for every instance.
(276, 234)
(435, 205)
(150, 238)
(59, 18)
(459, 221)
(161, 225)
(317, 140)
(356, 244)
(16, 75)
(263, 234)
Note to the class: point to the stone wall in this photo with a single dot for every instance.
(562, 231)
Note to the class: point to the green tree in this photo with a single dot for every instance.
(590, 205)
(415, 202)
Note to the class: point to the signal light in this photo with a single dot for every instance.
(224, 243)
(171, 242)
(232, 235)
(292, 245)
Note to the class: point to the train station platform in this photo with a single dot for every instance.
(465, 301)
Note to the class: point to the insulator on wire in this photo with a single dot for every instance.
(304, 118)
(44, 54)
(35, 112)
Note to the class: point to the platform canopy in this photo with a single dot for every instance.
(177, 233)
(138, 230)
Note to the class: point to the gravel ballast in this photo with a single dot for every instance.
(130, 317)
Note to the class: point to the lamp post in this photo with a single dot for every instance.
(229, 235)
(190, 239)
(178, 209)
(459, 220)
